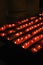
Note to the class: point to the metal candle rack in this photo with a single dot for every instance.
(27, 33)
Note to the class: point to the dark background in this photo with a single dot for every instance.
(16, 9)
(13, 10)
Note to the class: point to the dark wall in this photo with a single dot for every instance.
(41, 4)
(17, 8)
(21, 8)
(3, 10)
